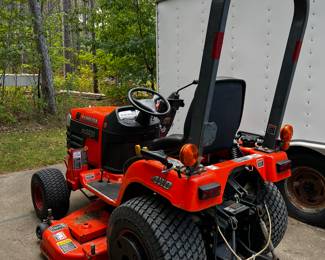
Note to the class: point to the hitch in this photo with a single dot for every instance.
(266, 233)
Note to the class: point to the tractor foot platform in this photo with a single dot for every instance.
(110, 190)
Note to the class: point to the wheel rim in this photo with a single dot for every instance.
(128, 246)
(38, 196)
(306, 189)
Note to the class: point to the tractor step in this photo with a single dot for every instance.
(109, 190)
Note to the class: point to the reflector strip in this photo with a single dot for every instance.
(217, 46)
(296, 52)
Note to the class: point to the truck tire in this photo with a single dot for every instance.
(278, 214)
(50, 191)
(304, 191)
(147, 228)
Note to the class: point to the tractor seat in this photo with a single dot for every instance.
(225, 116)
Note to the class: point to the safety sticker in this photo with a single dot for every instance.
(90, 176)
(57, 227)
(60, 236)
(246, 158)
(66, 245)
(76, 154)
(260, 163)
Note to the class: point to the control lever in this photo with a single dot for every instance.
(153, 155)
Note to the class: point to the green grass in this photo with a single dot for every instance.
(31, 149)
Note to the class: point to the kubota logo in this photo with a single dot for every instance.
(88, 119)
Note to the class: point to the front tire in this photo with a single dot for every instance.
(146, 228)
(50, 191)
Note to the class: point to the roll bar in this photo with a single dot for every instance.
(289, 63)
(210, 63)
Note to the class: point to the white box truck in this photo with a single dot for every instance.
(255, 39)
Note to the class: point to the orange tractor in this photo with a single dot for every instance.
(207, 193)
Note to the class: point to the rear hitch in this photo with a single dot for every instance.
(234, 225)
(266, 233)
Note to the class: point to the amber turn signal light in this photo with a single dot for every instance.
(286, 135)
(189, 155)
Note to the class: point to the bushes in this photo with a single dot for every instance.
(16, 104)
(22, 108)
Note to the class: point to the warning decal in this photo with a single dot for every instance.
(66, 245)
(57, 227)
(60, 236)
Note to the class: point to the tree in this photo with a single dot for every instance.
(127, 31)
(67, 37)
(93, 46)
(47, 73)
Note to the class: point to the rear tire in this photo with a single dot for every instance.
(304, 191)
(50, 191)
(278, 215)
(146, 228)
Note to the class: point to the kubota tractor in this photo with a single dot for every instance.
(207, 193)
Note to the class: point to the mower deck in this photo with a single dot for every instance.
(80, 235)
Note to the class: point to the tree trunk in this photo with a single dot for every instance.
(47, 73)
(66, 37)
(77, 29)
(93, 47)
(149, 66)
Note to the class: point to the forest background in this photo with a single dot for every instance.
(97, 46)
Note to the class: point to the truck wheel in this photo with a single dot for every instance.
(278, 214)
(304, 191)
(50, 191)
(146, 228)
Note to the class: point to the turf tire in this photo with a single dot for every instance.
(164, 231)
(278, 213)
(53, 193)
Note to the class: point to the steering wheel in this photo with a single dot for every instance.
(147, 106)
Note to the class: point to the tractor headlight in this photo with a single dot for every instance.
(68, 120)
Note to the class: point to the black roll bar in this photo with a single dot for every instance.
(289, 64)
(209, 68)
(210, 63)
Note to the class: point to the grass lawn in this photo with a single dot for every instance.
(31, 149)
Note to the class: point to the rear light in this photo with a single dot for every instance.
(282, 166)
(286, 135)
(189, 155)
(208, 191)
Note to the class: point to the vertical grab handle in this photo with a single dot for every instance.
(289, 64)
(210, 63)
(209, 68)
